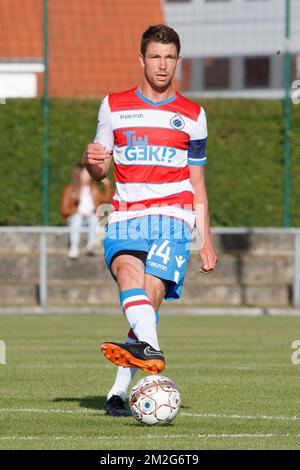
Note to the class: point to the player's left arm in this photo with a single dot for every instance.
(207, 251)
(196, 162)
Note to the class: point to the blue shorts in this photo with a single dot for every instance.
(165, 242)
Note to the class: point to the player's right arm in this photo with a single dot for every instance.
(97, 161)
(98, 155)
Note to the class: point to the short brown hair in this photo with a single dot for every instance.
(159, 33)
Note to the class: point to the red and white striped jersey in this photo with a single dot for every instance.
(153, 145)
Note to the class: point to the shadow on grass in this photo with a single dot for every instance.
(93, 403)
(137, 424)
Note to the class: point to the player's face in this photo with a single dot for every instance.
(159, 64)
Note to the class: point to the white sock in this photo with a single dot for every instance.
(140, 315)
(125, 374)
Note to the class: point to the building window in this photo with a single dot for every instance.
(257, 72)
(186, 72)
(216, 73)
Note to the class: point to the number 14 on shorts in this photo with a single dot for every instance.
(162, 251)
(168, 259)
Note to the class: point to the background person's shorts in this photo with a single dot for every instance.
(163, 243)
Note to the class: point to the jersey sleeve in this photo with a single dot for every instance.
(104, 134)
(197, 143)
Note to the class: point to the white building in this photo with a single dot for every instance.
(234, 47)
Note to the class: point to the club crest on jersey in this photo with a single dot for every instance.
(177, 122)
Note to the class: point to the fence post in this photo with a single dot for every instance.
(287, 116)
(45, 208)
(296, 287)
(45, 195)
(43, 270)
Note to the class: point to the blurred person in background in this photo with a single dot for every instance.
(78, 207)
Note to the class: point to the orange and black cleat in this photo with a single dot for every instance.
(139, 354)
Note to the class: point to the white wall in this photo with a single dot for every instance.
(19, 80)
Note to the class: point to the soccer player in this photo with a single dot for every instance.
(157, 139)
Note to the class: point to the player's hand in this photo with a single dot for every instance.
(208, 257)
(96, 153)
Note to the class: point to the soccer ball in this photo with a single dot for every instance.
(154, 400)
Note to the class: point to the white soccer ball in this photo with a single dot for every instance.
(154, 400)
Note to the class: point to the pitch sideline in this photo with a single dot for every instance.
(166, 436)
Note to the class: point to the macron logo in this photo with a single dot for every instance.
(131, 116)
(179, 261)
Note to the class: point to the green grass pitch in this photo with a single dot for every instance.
(239, 387)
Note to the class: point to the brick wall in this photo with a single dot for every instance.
(93, 45)
(21, 29)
